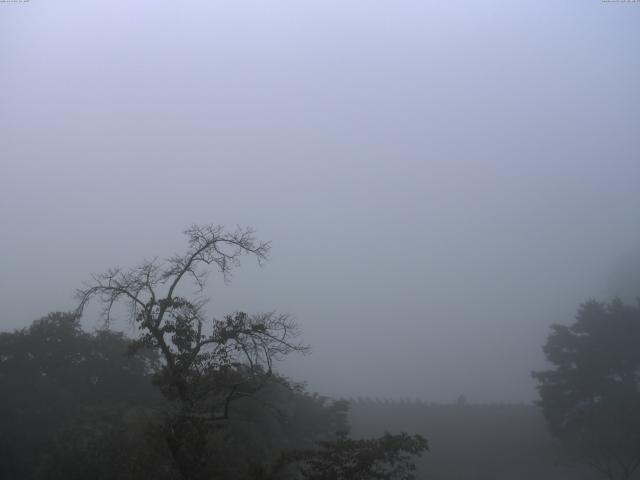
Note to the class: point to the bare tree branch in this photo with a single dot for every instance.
(207, 364)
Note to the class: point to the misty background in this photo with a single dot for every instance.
(441, 181)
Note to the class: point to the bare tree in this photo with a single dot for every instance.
(206, 364)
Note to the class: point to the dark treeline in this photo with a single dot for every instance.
(79, 405)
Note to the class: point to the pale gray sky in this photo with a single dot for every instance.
(440, 180)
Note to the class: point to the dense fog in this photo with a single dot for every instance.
(440, 181)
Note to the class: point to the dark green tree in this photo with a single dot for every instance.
(54, 375)
(591, 398)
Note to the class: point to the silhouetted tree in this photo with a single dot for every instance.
(590, 398)
(207, 365)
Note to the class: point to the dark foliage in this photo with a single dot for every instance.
(389, 457)
(52, 373)
(590, 398)
(81, 405)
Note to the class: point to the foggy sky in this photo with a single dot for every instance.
(441, 181)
